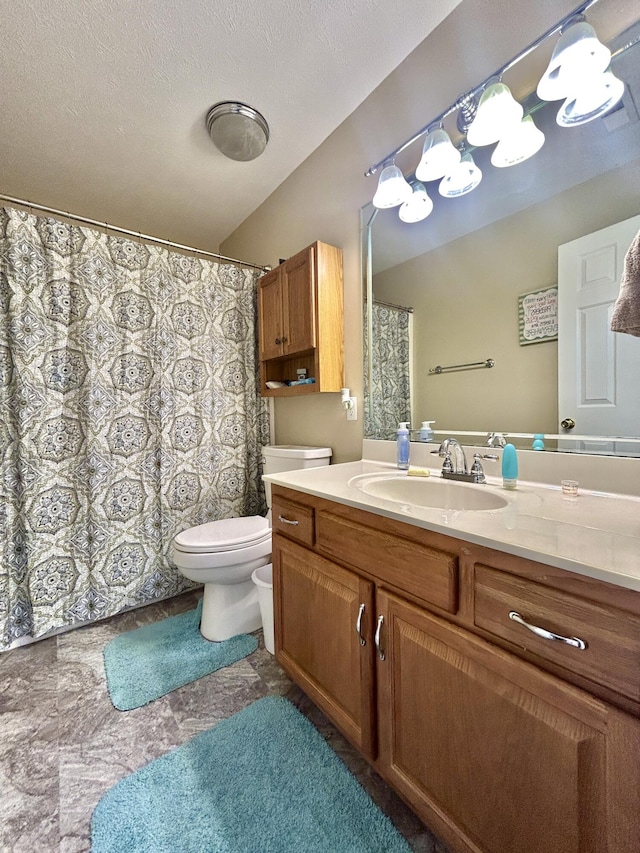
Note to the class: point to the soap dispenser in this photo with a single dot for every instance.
(403, 446)
(426, 433)
(509, 467)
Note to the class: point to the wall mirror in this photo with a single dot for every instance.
(462, 270)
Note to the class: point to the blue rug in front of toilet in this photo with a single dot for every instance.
(149, 662)
(261, 781)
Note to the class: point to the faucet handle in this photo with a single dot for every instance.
(447, 465)
(496, 439)
(477, 471)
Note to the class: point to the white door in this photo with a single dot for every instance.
(598, 370)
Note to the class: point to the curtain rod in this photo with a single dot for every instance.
(391, 305)
(137, 234)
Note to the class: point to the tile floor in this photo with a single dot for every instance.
(63, 744)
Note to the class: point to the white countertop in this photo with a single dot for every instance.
(595, 534)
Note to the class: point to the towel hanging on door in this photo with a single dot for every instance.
(626, 311)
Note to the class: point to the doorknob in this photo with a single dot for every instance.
(567, 423)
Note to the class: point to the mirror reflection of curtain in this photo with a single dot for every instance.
(389, 395)
(129, 410)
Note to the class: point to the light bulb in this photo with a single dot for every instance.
(438, 156)
(392, 188)
(463, 177)
(498, 111)
(522, 142)
(418, 207)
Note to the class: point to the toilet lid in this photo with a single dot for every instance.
(228, 534)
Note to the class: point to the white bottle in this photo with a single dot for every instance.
(426, 433)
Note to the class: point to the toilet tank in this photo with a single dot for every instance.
(277, 458)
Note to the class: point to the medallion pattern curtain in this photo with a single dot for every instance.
(389, 397)
(129, 410)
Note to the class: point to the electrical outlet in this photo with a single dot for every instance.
(352, 411)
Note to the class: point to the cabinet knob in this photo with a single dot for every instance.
(278, 341)
(284, 340)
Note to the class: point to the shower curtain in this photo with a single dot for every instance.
(387, 388)
(129, 410)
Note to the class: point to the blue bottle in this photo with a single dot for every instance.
(403, 446)
(538, 441)
(509, 467)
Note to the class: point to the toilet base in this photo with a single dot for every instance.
(230, 609)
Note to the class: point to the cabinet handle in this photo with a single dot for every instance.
(363, 642)
(278, 341)
(377, 637)
(284, 340)
(287, 520)
(576, 642)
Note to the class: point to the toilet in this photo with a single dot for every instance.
(222, 555)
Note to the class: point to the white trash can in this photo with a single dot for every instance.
(263, 579)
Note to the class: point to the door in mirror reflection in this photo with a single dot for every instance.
(597, 369)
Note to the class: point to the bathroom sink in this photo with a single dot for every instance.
(428, 492)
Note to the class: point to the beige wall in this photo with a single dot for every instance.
(321, 199)
(465, 301)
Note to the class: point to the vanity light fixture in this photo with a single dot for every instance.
(438, 155)
(393, 189)
(521, 142)
(418, 207)
(464, 177)
(577, 73)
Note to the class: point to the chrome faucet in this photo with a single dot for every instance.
(456, 468)
(457, 465)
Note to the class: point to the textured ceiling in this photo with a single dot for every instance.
(103, 101)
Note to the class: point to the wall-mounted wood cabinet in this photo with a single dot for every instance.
(300, 322)
(502, 741)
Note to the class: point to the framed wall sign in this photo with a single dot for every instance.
(538, 316)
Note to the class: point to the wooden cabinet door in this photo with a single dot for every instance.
(495, 755)
(299, 302)
(270, 317)
(317, 604)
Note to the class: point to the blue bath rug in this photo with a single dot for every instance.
(262, 781)
(148, 663)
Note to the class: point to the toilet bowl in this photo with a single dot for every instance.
(222, 555)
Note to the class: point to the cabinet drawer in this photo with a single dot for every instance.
(428, 573)
(612, 636)
(294, 520)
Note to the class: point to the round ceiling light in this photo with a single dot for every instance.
(237, 130)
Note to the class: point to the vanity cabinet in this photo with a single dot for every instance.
(502, 742)
(300, 321)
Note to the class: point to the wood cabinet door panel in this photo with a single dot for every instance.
(270, 318)
(317, 607)
(299, 302)
(492, 753)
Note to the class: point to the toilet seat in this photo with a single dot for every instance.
(228, 534)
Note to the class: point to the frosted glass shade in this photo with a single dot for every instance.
(497, 112)
(393, 189)
(418, 207)
(577, 54)
(463, 177)
(438, 156)
(596, 96)
(522, 142)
